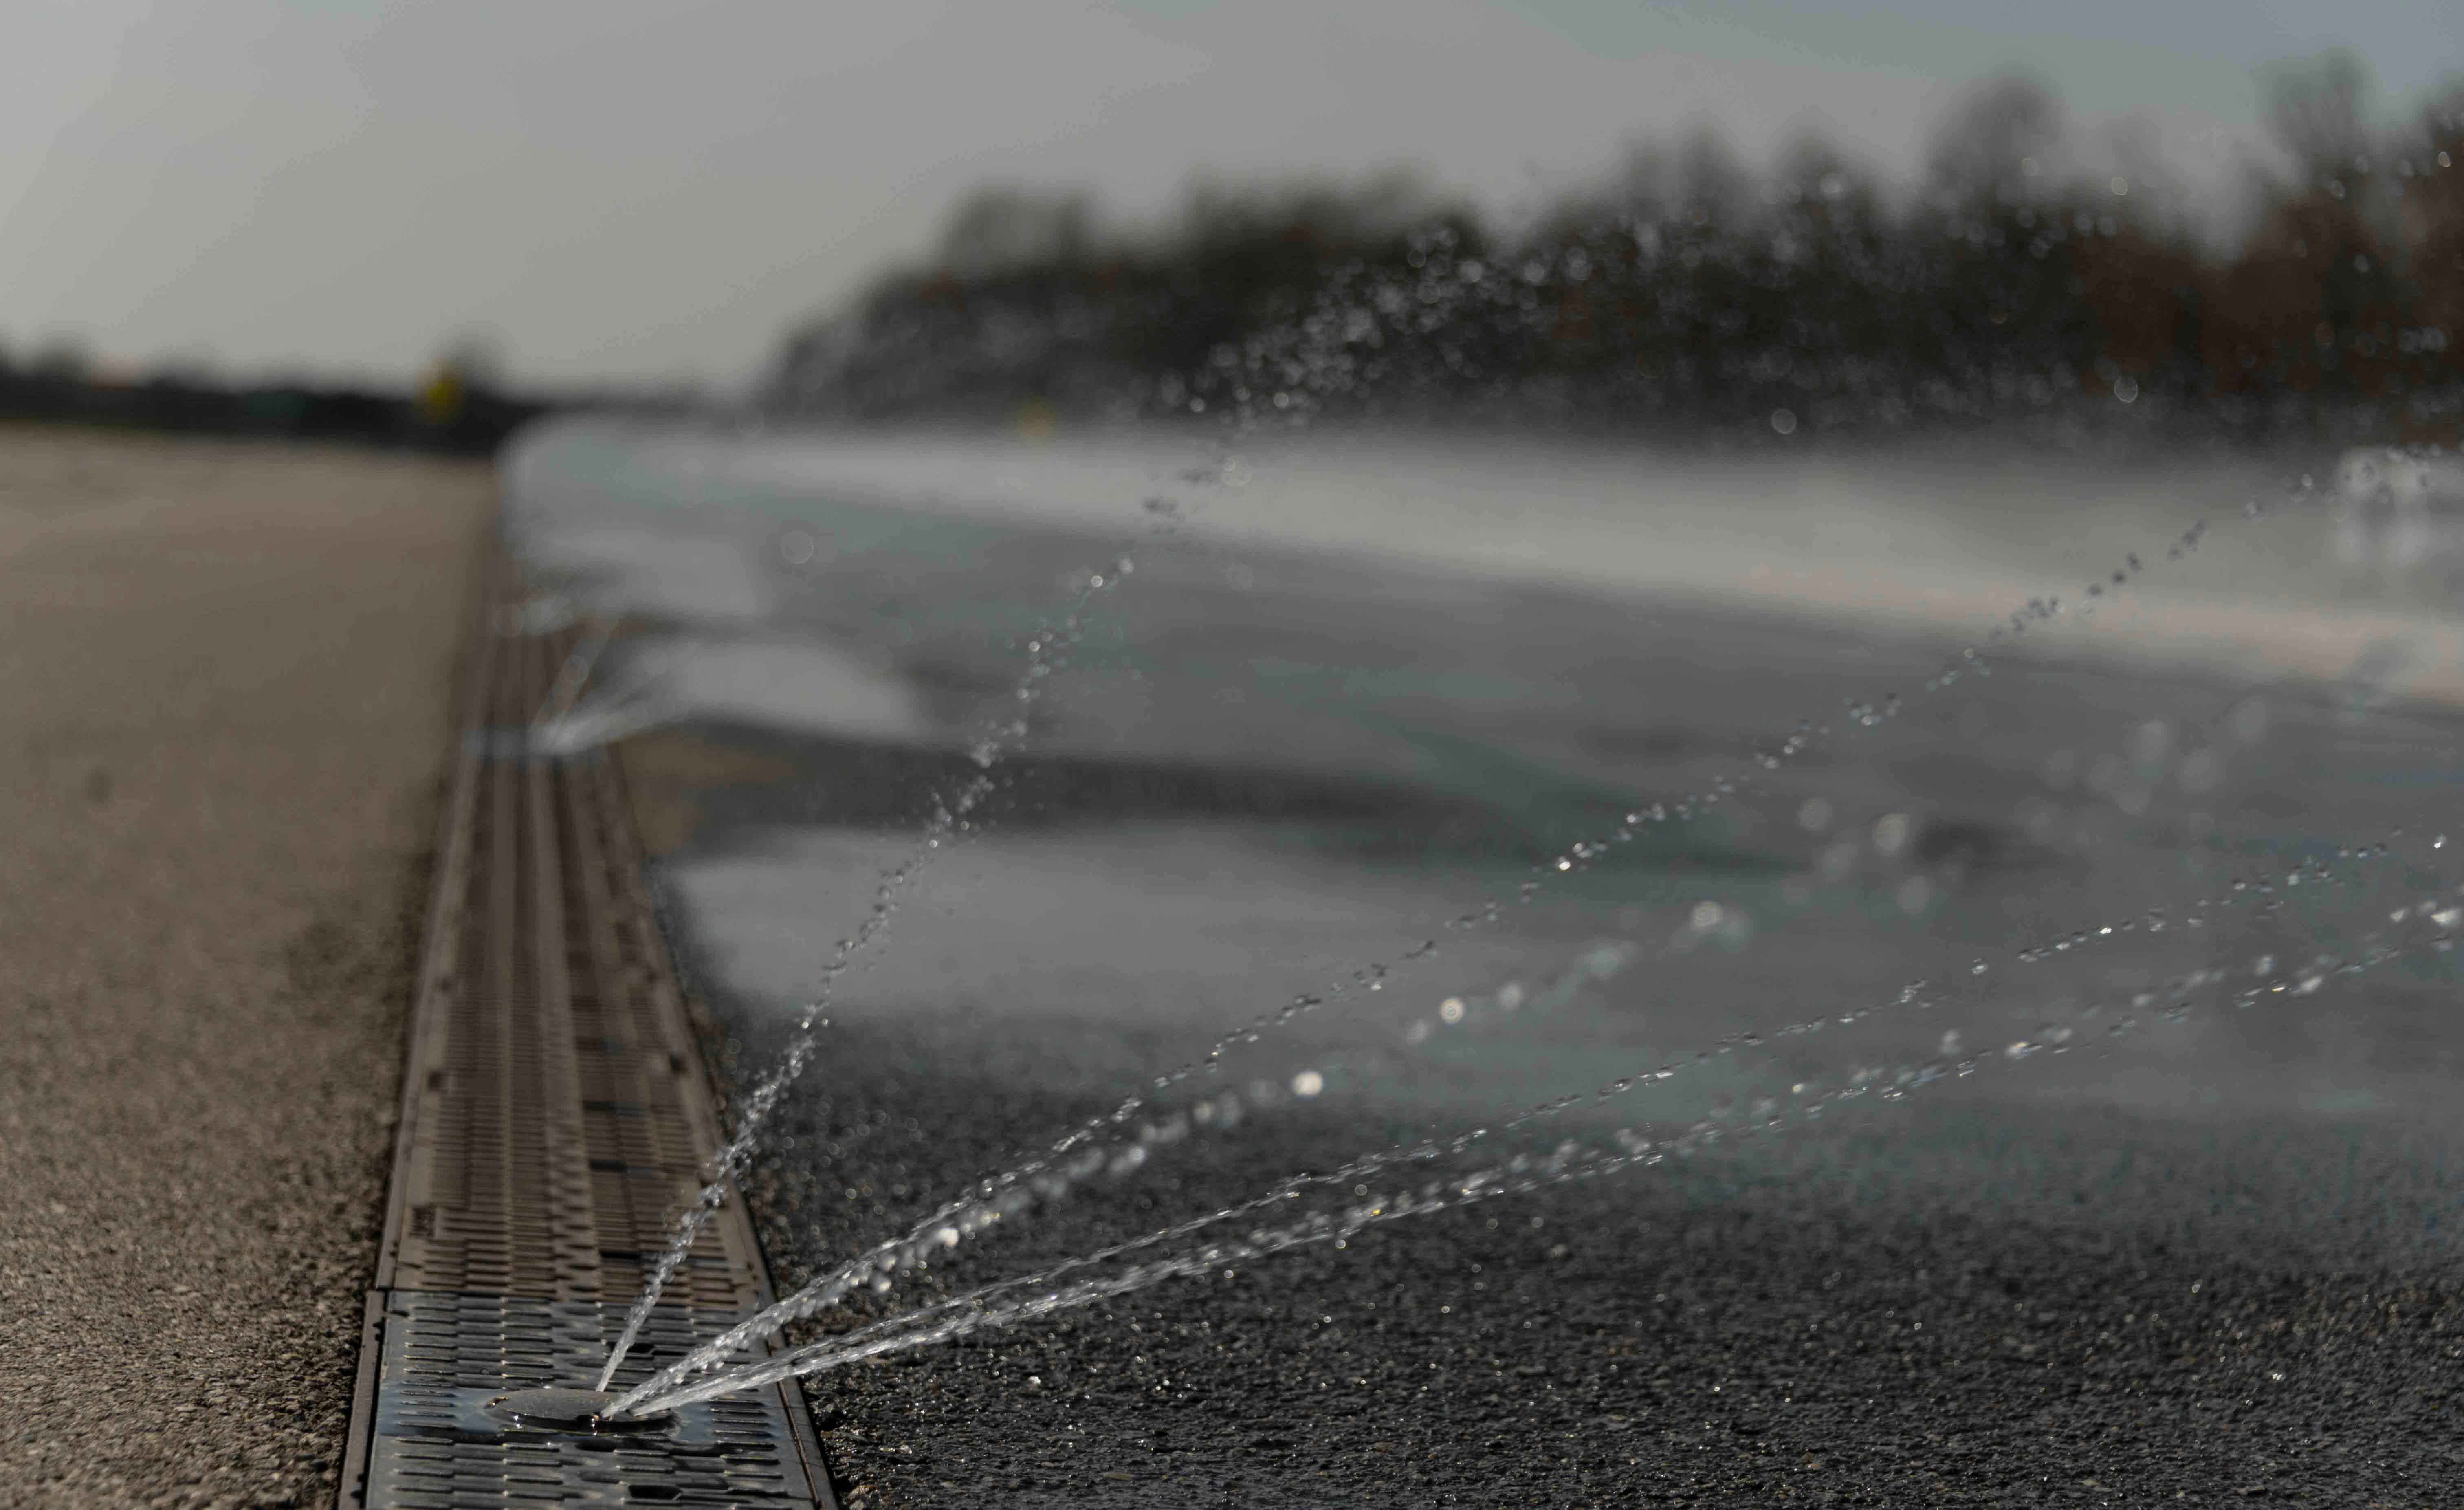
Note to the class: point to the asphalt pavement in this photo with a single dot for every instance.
(228, 671)
(2060, 1309)
(2211, 1261)
(2184, 1233)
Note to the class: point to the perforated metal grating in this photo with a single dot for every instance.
(556, 1115)
(437, 1448)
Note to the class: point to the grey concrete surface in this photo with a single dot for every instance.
(226, 674)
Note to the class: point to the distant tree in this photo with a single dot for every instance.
(1998, 142)
(1711, 183)
(2314, 110)
(1004, 228)
(1994, 286)
(61, 359)
(1832, 246)
(1684, 289)
(2430, 185)
(2314, 301)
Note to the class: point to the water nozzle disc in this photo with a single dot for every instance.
(569, 1410)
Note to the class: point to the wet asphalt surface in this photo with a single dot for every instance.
(1961, 1299)
(1776, 1325)
(1968, 1297)
(2207, 1263)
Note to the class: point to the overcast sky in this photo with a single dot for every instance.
(623, 190)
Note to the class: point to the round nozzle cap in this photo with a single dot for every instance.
(583, 1410)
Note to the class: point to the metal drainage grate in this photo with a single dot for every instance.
(554, 1113)
(437, 1448)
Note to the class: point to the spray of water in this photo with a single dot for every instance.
(1003, 1199)
(2431, 924)
(574, 675)
(1003, 1193)
(1319, 355)
(1047, 649)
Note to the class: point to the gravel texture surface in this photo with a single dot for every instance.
(1957, 1303)
(226, 671)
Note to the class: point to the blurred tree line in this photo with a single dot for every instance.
(460, 407)
(1691, 293)
(463, 405)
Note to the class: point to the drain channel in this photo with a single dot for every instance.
(554, 1113)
